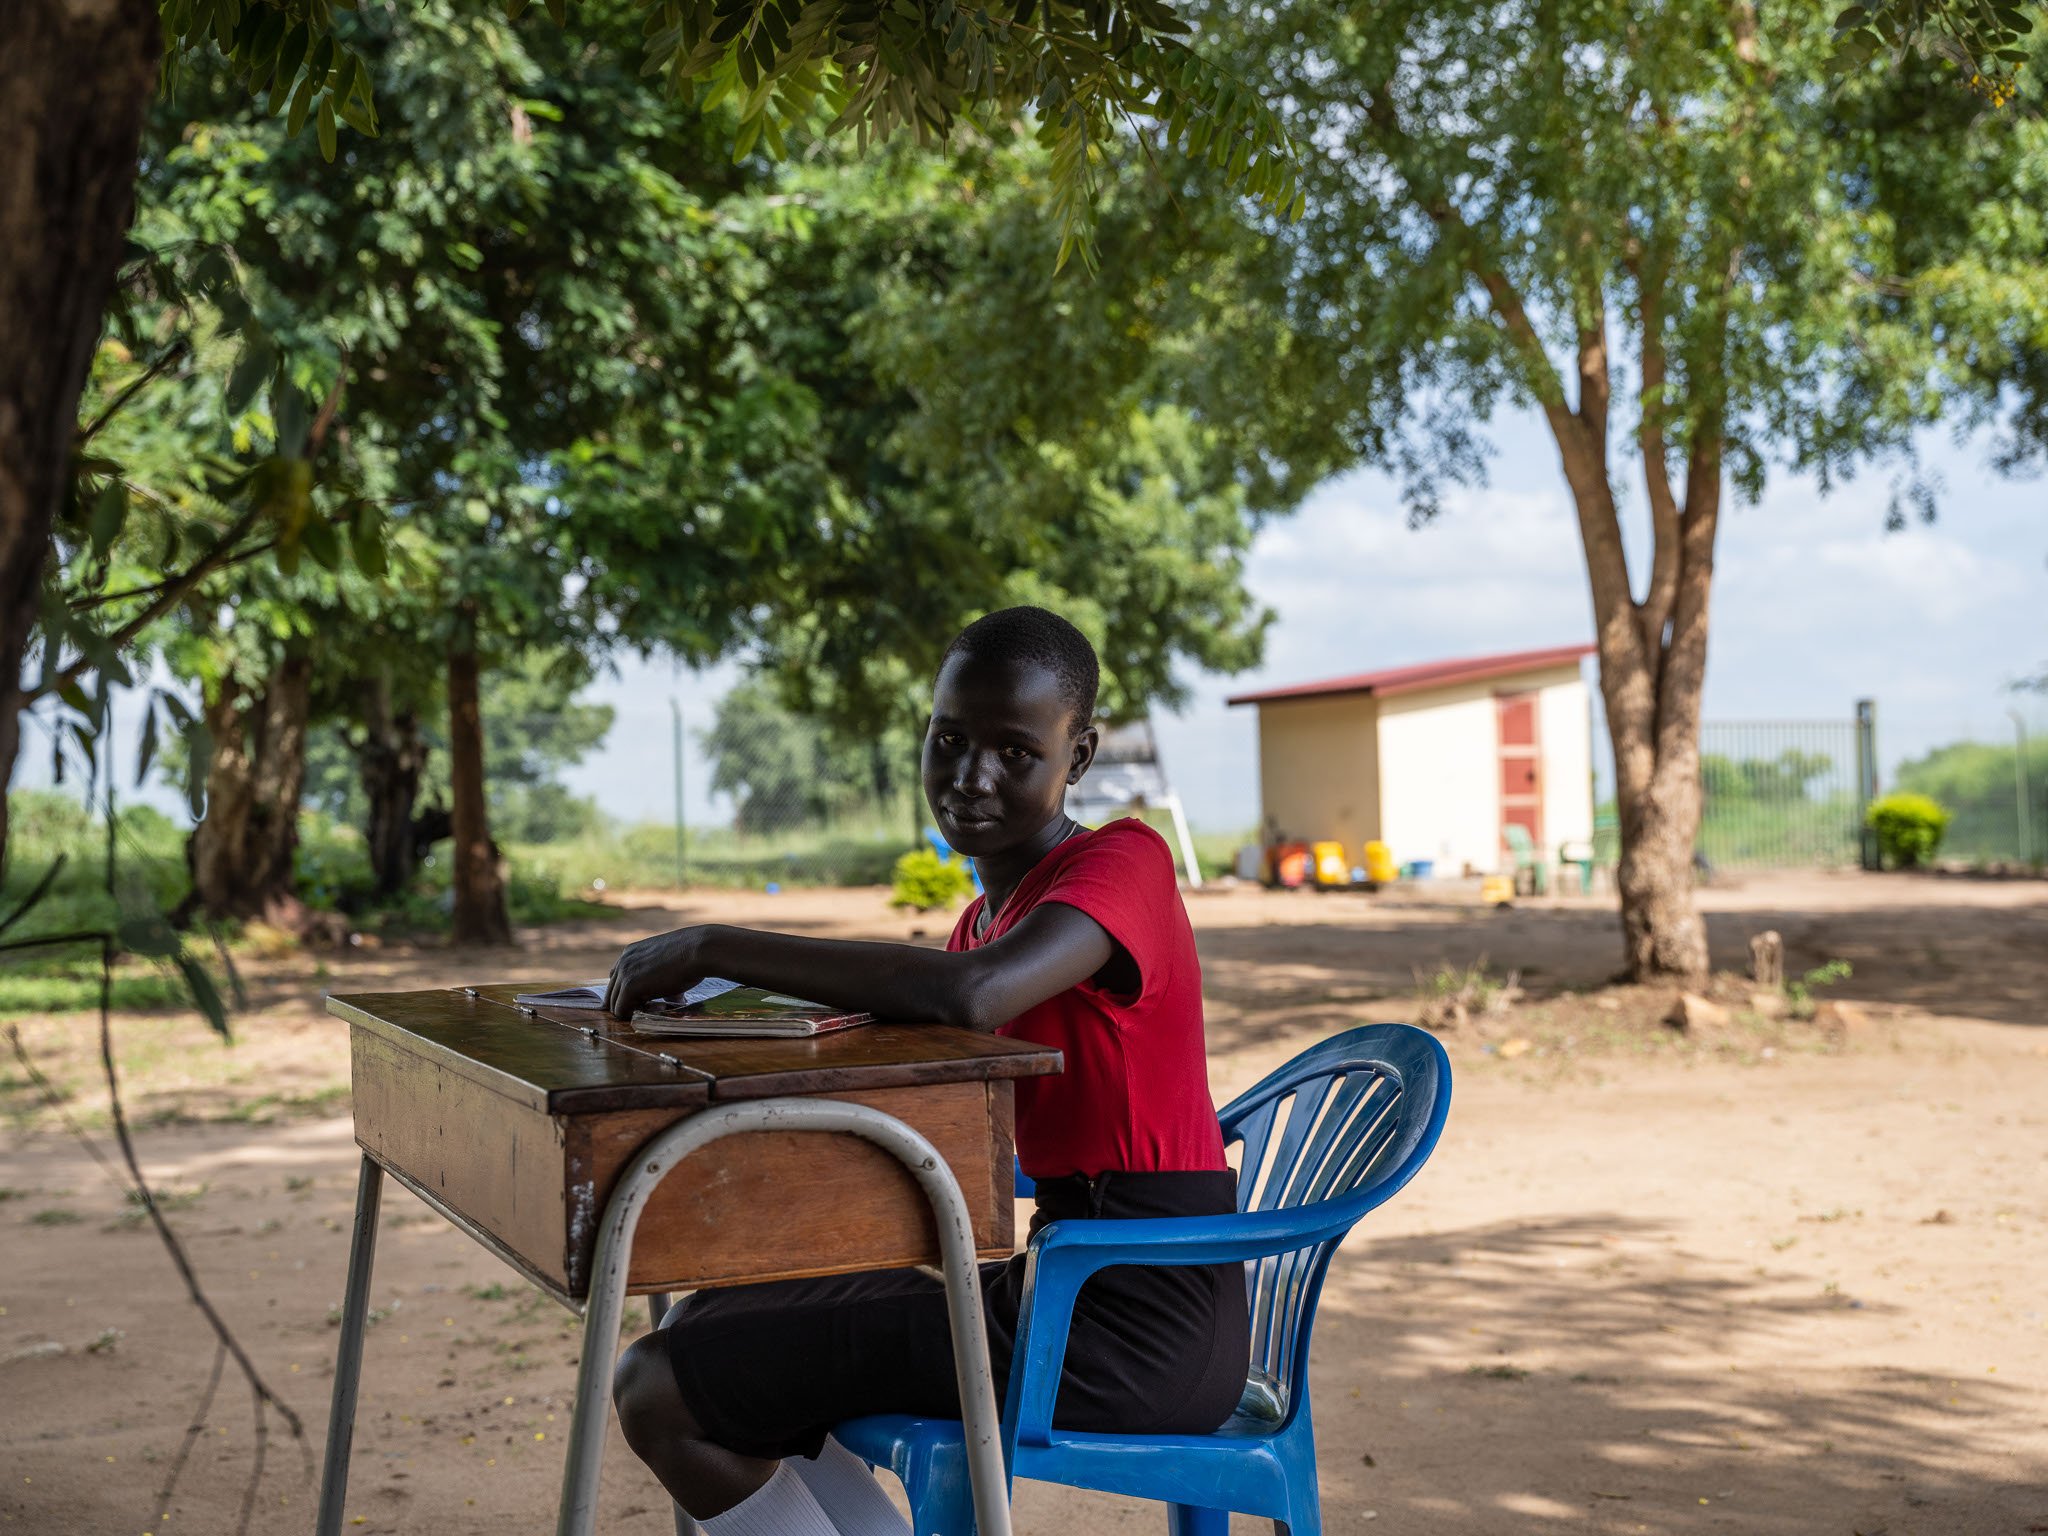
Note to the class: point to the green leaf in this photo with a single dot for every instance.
(323, 544)
(559, 10)
(366, 541)
(297, 44)
(259, 356)
(109, 512)
(326, 128)
(205, 996)
(146, 753)
(302, 99)
(150, 936)
(199, 763)
(356, 108)
(743, 141)
(280, 89)
(75, 696)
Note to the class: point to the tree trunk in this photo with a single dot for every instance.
(1662, 934)
(480, 916)
(240, 853)
(392, 757)
(1653, 662)
(75, 80)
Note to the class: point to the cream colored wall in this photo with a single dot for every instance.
(1439, 754)
(1566, 716)
(1317, 775)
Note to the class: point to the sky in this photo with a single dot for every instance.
(1815, 606)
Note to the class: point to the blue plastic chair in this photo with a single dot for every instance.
(1326, 1138)
(945, 851)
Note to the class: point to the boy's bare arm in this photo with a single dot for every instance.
(1052, 948)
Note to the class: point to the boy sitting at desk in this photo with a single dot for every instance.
(1080, 942)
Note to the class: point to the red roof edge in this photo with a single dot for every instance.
(1429, 674)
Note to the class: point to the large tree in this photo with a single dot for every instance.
(76, 78)
(1657, 227)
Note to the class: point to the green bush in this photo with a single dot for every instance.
(1908, 829)
(929, 883)
(331, 865)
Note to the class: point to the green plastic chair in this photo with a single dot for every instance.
(1526, 858)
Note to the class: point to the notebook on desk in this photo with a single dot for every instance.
(747, 1012)
(714, 1007)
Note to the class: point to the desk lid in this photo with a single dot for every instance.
(555, 1067)
(573, 1061)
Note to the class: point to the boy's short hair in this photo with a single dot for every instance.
(1041, 637)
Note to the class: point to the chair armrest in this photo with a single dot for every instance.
(1065, 1253)
(1082, 1247)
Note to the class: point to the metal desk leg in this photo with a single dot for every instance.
(590, 1417)
(348, 1356)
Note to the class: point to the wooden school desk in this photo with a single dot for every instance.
(545, 1133)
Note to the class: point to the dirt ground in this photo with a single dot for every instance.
(1766, 1279)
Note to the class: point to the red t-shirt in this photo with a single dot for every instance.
(1135, 1093)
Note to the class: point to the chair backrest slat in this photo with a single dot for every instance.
(1353, 1116)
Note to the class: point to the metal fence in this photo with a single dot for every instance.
(1995, 790)
(1781, 793)
(1791, 794)
(659, 797)
(741, 799)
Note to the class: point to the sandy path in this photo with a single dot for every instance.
(1658, 1293)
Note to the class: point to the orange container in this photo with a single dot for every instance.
(1291, 864)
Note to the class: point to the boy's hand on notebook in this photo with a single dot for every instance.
(666, 965)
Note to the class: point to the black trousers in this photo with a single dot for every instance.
(768, 1370)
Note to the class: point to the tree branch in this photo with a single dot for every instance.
(1582, 450)
(174, 353)
(1655, 609)
(1594, 381)
(317, 436)
(172, 593)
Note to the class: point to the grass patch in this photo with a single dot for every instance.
(1455, 995)
(74, 987)
(264, 1109)
(55, 1216)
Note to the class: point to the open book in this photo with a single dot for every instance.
(713, 1007)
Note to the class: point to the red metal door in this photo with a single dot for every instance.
(1521, 767)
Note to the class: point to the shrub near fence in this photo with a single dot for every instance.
(1979, 784)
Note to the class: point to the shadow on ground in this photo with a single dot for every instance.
(1581, 1374)
(1982, 963)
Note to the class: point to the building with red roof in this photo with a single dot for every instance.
(1435, 759)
